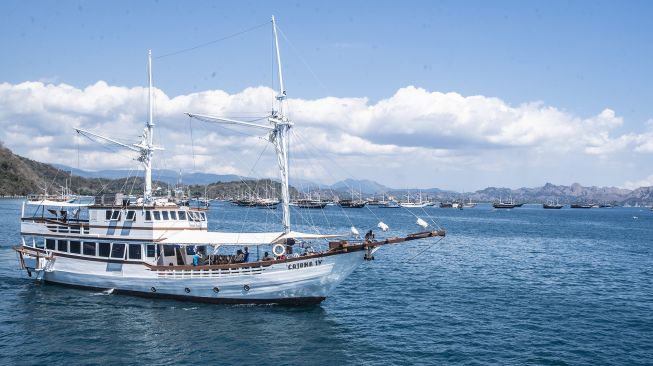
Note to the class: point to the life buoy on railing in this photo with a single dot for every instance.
(279, 250)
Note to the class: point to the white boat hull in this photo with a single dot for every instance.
(298, 282)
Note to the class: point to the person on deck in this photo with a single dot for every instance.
(267, 257)
(369, 237)
(240, 256)
(246, 255)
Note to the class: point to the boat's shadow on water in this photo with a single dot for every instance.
(120, 329)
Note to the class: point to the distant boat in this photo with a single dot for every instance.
(502, 204)
(417, 204)
(390, 204)
(551, 205)
(351, 204)
(266, 203)
(454, 204)
(309, 203)
(580, 205)
(469, 204)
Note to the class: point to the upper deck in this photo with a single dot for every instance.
(111, 218)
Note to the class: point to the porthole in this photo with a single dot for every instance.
(153, 289)
(187, 290)
(246, 287)
(216, 290)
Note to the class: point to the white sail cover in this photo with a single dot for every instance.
(57, 203)
(222, 238)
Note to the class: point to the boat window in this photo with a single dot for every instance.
(104, 249)
(131, 215)
(203, 216)
(192, 216)
(168, 251)
(118, 251)
(89, 248)
(157, 215)
(134, 251)
(107, 214)
(115, 215)
(49, 243)
(182, 215)
(150, 251)
(62, 245)
(40, 243)
(173, 215)
(190, 250)
(75, 247)
(165, 215)
(148, 215)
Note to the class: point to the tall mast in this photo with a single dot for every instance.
(277, 129)
(282, 92)
(148, 134)
(279, 137)
(145, 147)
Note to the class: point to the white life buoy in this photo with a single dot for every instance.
(279, 250)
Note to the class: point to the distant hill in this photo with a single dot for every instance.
(363, 185)
(162, 175)
(22, 176)
(564, 194)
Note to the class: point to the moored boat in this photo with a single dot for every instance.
(154, 247)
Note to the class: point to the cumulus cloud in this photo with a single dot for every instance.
(416, 130)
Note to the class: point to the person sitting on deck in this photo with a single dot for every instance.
(246, 255)
(289, 253)
(196, 260)
(267, 257)
(240, 256)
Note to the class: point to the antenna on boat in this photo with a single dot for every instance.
(278, 134)
(146, 146)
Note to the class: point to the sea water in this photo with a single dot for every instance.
(520, 286)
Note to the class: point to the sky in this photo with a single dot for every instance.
(458, 95)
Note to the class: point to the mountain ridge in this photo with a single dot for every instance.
(23, 176)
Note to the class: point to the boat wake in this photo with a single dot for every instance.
(104, 293)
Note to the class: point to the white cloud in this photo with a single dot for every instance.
(424, 134)
(646, 182)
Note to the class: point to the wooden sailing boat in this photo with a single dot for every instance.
(156, 248)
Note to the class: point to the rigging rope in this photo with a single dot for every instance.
(213, 41)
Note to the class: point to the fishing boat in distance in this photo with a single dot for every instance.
(154, 247)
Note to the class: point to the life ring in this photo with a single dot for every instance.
(277, 247)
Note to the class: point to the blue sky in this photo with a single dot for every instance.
(577, 57)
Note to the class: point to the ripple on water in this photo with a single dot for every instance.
(525, 286)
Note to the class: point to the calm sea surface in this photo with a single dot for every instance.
(522, 286)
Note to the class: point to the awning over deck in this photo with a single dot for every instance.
(50, 203)
(221, 238)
